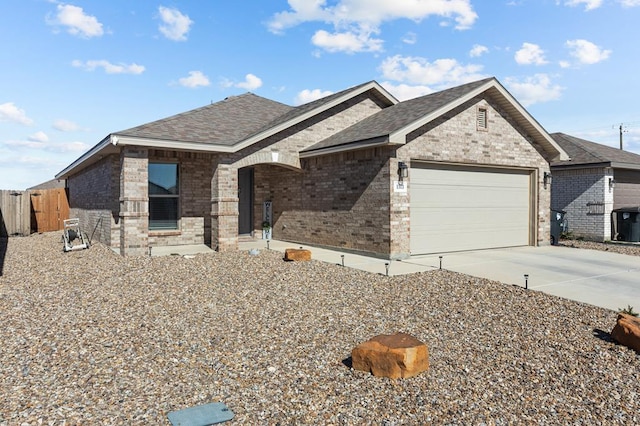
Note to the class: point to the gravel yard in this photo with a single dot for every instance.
(614, 247)
(89, 337)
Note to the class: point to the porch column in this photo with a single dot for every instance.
(224, 207)
(134, 201)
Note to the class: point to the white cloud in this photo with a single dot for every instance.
(25, 161)
(108, 67)
(478, 50)
(65, 147)
(410, 38)
(39, 137)
(589, 4)
(44, 145)
(419, 71)
(586, 52)
(195, 79)
(535, 89)
(26, 144)
(76, 21)
(175, 25)
(307, 95)
(530, 54)
(404, 91)
(65, 125)
(630, 3)
(347, 42)
(354, 21)
(251, 82)
(10, 112)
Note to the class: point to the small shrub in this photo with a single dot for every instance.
(629, 311)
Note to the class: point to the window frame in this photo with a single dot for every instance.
(166, 196)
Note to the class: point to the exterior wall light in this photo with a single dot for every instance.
(547, 179)
(403, 171)
(612, 183)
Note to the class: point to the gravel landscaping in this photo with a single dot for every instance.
(89, 337)
(614, 247)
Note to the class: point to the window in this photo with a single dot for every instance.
(482, 118)
(164, 196)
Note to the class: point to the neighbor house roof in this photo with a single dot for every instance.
(392, 125)
(585, 153)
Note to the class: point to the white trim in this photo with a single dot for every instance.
(343, 148)
(172, 144)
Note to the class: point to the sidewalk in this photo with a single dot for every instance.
(350, 260)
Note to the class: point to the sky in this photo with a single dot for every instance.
(73, 72)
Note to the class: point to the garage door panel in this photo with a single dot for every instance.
(440, 197)
(455, 209)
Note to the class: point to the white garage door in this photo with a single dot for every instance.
(468, 208)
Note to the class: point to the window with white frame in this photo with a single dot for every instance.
(164, 196)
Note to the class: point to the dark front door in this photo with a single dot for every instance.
(245, 204)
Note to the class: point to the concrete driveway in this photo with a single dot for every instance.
(600, 278)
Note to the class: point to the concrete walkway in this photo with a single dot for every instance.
(600, 278)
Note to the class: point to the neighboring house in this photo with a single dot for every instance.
(50, 184)
(595, 181)
(357, 170)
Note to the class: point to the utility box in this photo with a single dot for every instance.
(628, 224)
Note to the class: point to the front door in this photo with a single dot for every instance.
(245, 202)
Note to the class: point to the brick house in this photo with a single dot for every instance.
(595, 181)
(357, 170)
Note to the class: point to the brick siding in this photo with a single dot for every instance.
(93, 198)
(585, 195)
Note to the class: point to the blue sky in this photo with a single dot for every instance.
(73, 72)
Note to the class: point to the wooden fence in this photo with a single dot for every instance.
(15, 213)
(24, 212)
(49, 209)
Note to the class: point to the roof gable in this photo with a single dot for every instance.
(390, 120)
(393, 124)
(584, 153)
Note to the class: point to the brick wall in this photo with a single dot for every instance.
(455, 138)
(339, 200)
(93, 198)
(585, 195)
(134, 201)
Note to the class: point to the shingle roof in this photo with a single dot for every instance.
(393, 118)
(583, 152)
(225, 123)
